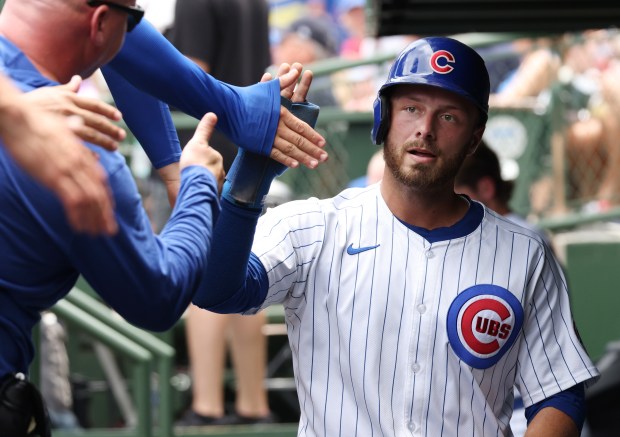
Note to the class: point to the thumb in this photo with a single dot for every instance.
(204, 130)
(74, 84)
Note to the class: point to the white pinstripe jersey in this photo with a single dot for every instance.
(409, 337)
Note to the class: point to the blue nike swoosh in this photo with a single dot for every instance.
(353, 251)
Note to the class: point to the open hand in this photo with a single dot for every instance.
(98, 117)
(295, 140)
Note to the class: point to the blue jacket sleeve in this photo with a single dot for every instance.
(148, 119)
(247, 115)
(235, 279)
(150, 279)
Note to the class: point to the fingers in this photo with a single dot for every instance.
(302, 88)
(288, 78)
(97, 130)
(198, 152)
(205, 128)
(296, 142)
(98, 117)
(74, 84)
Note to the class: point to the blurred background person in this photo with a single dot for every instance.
(308, 40)
(481, 179)
(228, 39)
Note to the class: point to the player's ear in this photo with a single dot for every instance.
(475, 140)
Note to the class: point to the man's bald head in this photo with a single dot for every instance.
(65, 37)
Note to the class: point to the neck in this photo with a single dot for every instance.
(423, 208)
(42, 34)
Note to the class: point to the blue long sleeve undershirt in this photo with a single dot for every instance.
(247, 115)
(148, 118)
(235, 279)
(570, 401)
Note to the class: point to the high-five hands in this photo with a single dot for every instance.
(296, 142)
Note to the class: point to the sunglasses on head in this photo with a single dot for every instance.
(134, 13)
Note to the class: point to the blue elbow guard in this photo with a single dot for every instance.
(250, 176)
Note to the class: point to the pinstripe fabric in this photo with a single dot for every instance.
(368, 331)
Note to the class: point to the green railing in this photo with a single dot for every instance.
(141, 357)
(146, 350)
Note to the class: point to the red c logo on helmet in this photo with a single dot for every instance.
(442, 57)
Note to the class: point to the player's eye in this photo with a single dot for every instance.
(411, 109)
(449, 117)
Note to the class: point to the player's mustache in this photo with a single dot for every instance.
(421, 144)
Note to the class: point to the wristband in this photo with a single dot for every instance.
(250, 176)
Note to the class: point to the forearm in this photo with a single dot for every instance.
(148, 119)
(551, 422)
(227, 273)
(149, 279)
(171, 177)
(247, 115)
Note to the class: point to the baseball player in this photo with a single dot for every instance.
(411, 310)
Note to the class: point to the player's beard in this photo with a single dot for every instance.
(423, 176)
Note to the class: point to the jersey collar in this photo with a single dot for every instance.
(463, 227)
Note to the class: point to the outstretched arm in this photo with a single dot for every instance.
(250, 116)
(234, 279)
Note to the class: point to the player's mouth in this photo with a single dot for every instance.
(421, 154)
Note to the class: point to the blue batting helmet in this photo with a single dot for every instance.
(435, 61)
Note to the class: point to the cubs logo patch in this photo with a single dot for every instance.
(483, 323)
(440, 61)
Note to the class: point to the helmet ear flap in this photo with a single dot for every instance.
(381, 109)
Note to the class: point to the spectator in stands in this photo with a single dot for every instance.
(308, 40)
(481, 179)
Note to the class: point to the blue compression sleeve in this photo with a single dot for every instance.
(247, 115)
(235, 279)
(570, 401)
(147, 118)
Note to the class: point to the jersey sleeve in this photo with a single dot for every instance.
(148, 119)
(288, 240)
(551, 358)
(248, 116)
(150, 279)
